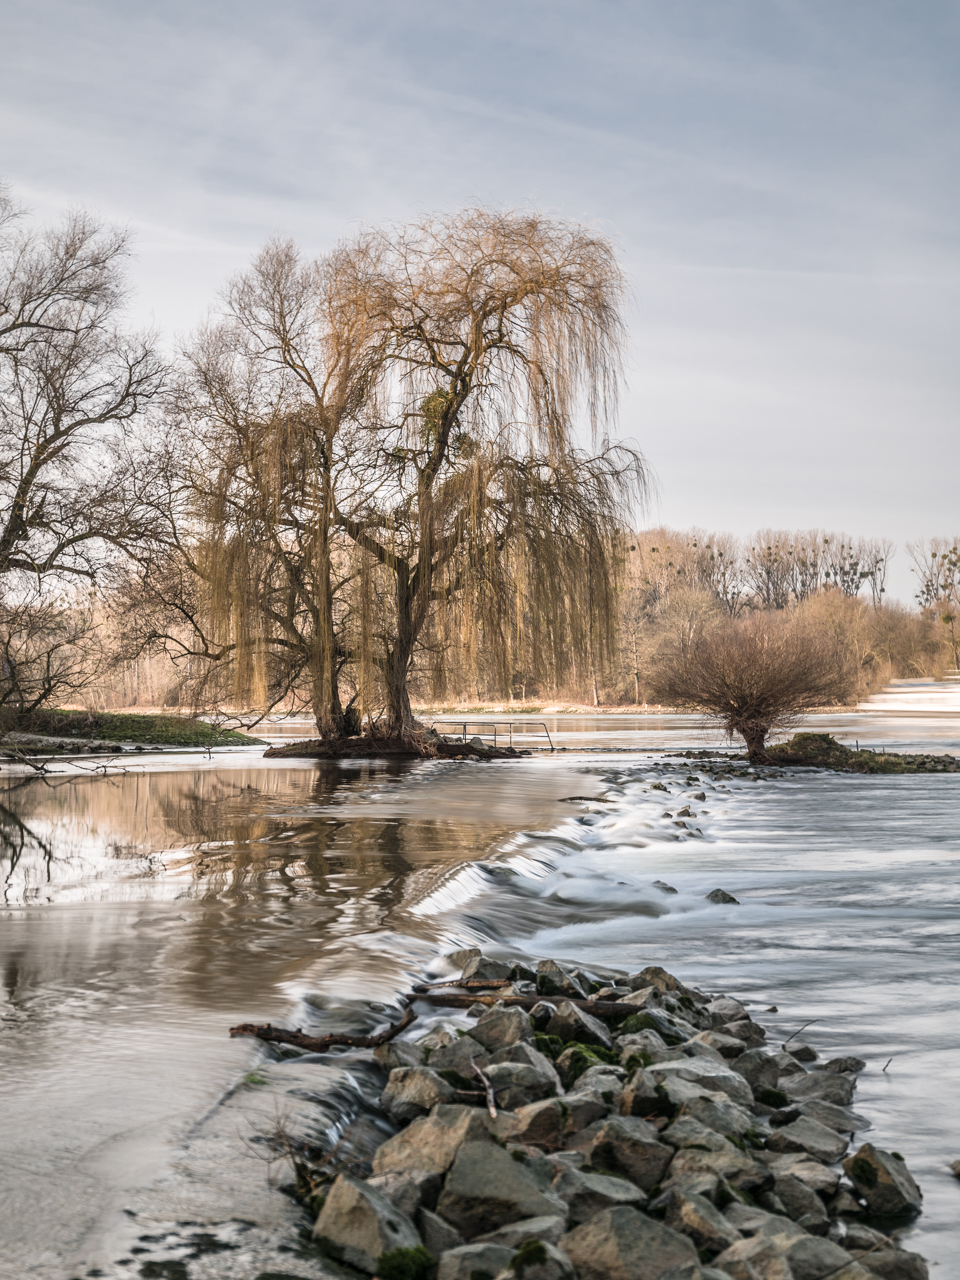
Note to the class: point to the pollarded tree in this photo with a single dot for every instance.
(501, 335)
(755, 676)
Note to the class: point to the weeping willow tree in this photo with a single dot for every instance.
(382, 454)
(500, 334)
(270, 403)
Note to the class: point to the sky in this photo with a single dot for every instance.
(780, 178)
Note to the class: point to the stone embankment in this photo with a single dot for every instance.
(663, 1140)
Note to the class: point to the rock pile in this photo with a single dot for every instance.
(668, 1143)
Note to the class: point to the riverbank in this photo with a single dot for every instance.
(53, 732)
(576, 1126)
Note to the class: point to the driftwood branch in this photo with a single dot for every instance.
(488, 1090)
(471, 984)
(317, 1044)
(611, 1009)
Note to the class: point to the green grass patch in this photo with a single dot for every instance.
(821, 751)
(165, 731)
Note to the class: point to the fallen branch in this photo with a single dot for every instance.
(318, 1044)
(471, 984)
(488, 1089)
(600, 1008)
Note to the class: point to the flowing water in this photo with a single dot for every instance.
(147, 909)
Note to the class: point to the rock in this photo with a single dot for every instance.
(501, 1027)
(697, 1049)
(739, 1170)
(725, 1009)
(670, 1026)
(575, 1061)
(626, 1145)
(665, 983)
(696, 1218)
(894, 1264)
(513, 1235)
(432, 1142)
(602, 1077)
(714, 1076)
(643, 997)
(413, 1091)
(459, 958)
(727, 1046)
(541, 1013)
(826, 1086)
(459, 1056)
(473, 1260)
(438, 1236)
(398, 1053)
(955, 1168)
(538, 1260)
(754, 1259)
(853, 1065)
(801, 1051)
(789, 1066)
(480, 969)
(811, 1258)
(622, 1244)
(810, 1136)
(554, 981)
(441, 1034)
(758, 1069)
(801, 1204)
(840, 1118)
(486, 1188)
(844, 1205)
(810, 1172)
(749, 1032)
(643, 1095)
(524, 1052)
(688, 1132)
(884, 1181)
(720, 896)
(408, 1191)
(357, 1224)
(540, 1124)
(587, 1194)
(716, 1112)
(570, 1023)
(515, 1084)
(664, 887)
(648, 1046)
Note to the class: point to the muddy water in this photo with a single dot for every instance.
(147, 911)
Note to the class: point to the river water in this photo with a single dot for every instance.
(148, 908)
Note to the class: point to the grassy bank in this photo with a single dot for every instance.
(821, 751)
(148, 730)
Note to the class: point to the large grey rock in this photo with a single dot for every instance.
(588, 1194)
(432, 1142)
(758, 1068)
(570, 1023)
(727, 1046)
(697, 1218)
(671, 1026)
(884, 1181)
(438, 1236)
(717, 1112)
(472, 1260)
(515, 1084)
(689, 1132)
(486, 1188)
(643, 998)
(841, 1119)
(540, 1124)
(895, 1264)
(539, 1260)
(398, 1053)
(666, 983)
(552, 981)
(853, 1065)
(788, 1066)
(697, 1049)
(499, 1028)
(482, 969)
(357, 1224)
(408, 1191)
(813, 1259)
(810, 1136)
(459, 1056)
(739, 1170)
(623, 1244)
(812, 1173)
(715, 1076)
(524, 1052)
(824, 1085)
(645, 1095)
(748, 1031)
(413, 1091)
(604, 1080)
(754, 1259)
(802, 1204)
(629, 1146)
(549, 1230)
(802, 1051)
(725, 1009)
(584, 1106)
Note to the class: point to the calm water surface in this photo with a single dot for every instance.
(146, 911)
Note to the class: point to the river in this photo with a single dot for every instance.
(151, 905)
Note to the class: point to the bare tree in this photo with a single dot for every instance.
(754, 676)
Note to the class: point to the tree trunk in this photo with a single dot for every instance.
(755, 736)
(397, 667)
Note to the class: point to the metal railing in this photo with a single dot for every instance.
(503, 725)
